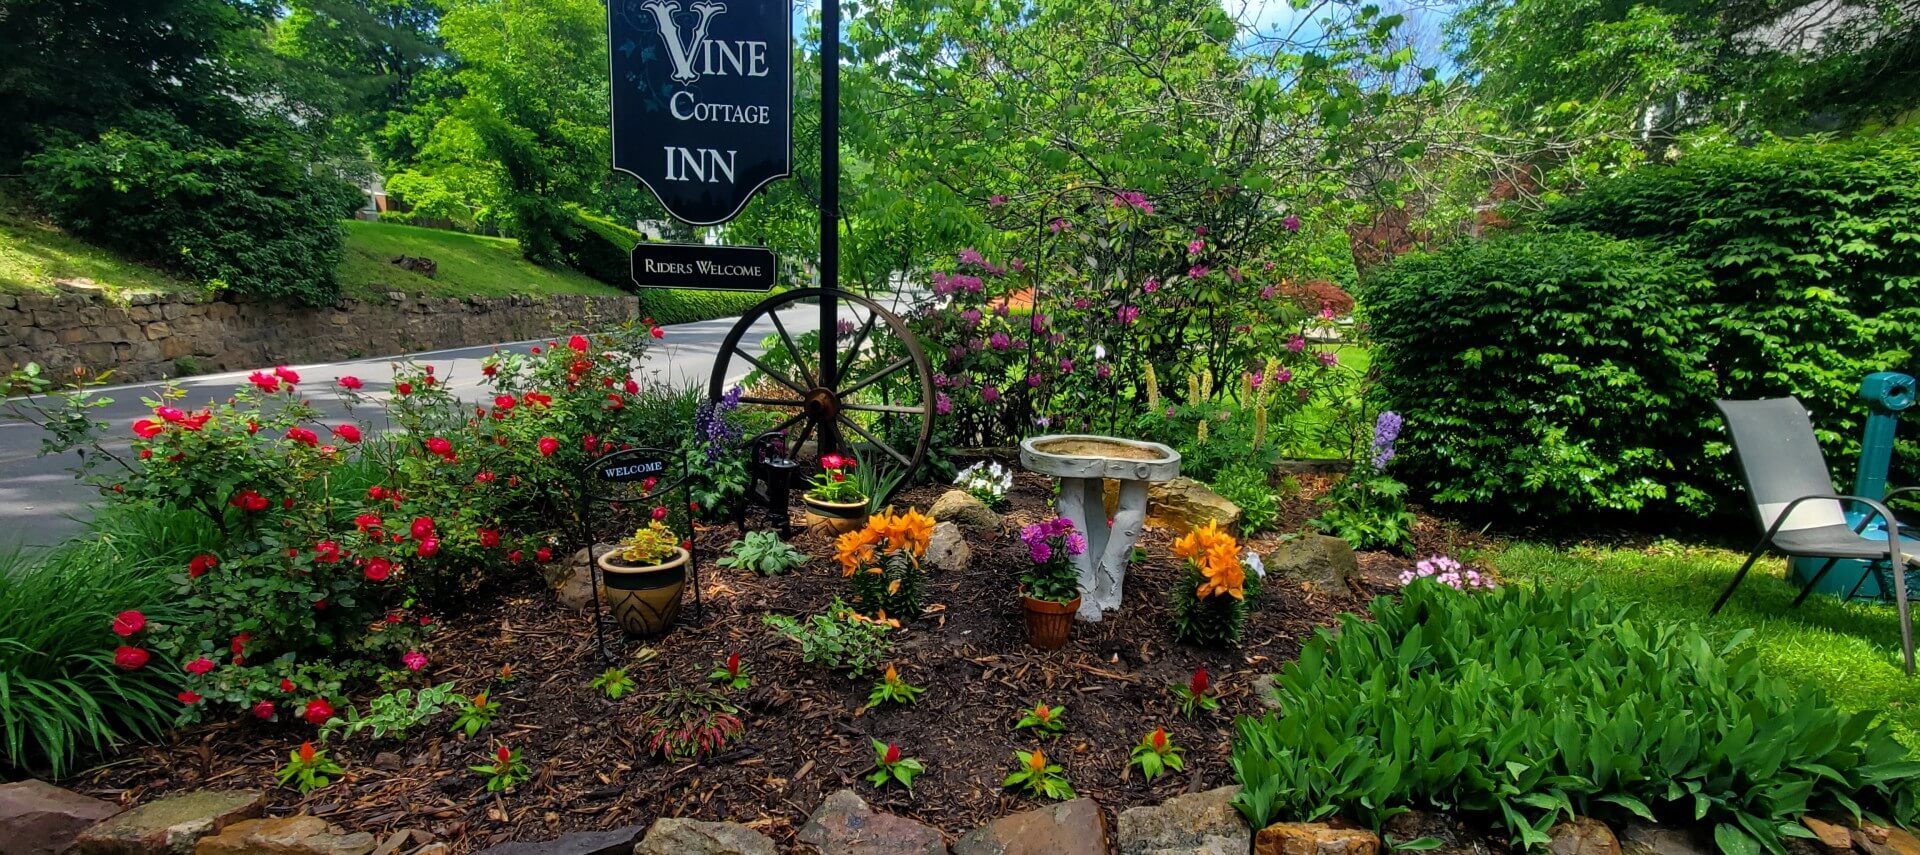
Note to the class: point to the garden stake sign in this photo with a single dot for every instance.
(636, 488)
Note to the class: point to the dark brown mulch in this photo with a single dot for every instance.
(806, 735)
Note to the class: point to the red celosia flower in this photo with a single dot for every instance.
(422, 528)
(147, 428)
(306, 752)
(200, 564)
(505, 756)
(733, 664)
(263, 710)
(428, 547)
(189, 697)
(892, 755)
(378, 569)
(349, 433)
(548, 445)
(1159, 740)
(317, 711)
(200, 666)
(577, 344)
(128, 622)
(130, 658)
(1198, 685)
(350, 382)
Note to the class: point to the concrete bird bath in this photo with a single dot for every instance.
(1083, 462)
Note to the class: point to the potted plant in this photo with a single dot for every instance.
(1050, 587)
(835, 501)
(641, 580)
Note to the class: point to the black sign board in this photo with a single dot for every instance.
(696, 265)
(629, 467)
(702, 100)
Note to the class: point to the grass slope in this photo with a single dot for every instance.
(469, 265)
(1850, 650)
(35, 253)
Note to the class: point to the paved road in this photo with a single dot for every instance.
(41, 502)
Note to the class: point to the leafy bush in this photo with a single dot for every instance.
(251, 218)
(1809, 246)
(1549, 372)
(1531, 704)
(1245, 485)
(842, 638)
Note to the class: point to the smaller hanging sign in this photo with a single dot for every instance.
(703, 266)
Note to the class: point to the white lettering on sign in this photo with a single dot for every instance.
(685, 107)
(702, 267)
(704, 164)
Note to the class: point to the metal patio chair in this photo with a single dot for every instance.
(1798, 511)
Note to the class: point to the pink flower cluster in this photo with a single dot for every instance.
(1448, 572)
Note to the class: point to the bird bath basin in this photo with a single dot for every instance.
(1083, 462)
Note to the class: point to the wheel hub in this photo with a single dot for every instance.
(822, 404)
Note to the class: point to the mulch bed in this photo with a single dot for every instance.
(805, 733)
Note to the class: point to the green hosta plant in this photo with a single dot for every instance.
(1038, 777)
(392, 714)
(889, 766)
(1156, 754)
(1526, 705)
(893, 690)
(614, 682)
(762, 552)
(505, 772)
(475, 713)
(308, 769)
(1043, 719)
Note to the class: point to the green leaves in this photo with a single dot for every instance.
(1532, 704)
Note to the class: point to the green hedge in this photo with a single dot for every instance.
(1547, 372)
(599, 247)
(1529, 705)
(1813, 248)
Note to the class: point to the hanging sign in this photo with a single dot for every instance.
(704, 266)
(702, 100)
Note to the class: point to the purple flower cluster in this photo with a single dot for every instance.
(944, 284)
(1044, 538)
(1133, 199)
(1386, 430)
(710, 423)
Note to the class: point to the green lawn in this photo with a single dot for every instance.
(1850, 650)
(33, 253)
(470, 265)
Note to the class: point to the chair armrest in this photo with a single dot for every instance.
(1880, 510)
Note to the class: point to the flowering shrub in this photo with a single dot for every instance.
(1210, 601)
(1446, 571)
(883, 561)
(986, 481)
(1051, 545)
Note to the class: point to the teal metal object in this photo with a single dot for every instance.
(1887, 394)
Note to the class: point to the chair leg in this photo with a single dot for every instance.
(1900, 600)
(1817, 576)
(1737, 578)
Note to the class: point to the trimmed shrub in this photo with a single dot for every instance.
(251, 218)
(1548, 372)
(1812, 251)
(599, 247)
(1530, 705)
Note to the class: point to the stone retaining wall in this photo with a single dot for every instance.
(153, 336)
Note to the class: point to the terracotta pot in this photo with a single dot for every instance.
(644, 598)
(1048, 623)
(835, 518)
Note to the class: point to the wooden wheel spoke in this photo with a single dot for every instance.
(904, 460)
(885, 408)
(771, 402)
(793, 350)
(806, 432)
(781, 428)
(783, 379)
(875, 377)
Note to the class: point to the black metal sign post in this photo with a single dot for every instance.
(829, 203)
(702, 100)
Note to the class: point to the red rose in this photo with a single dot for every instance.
(376, 492)
(428, 548)
(543, 555)
(367, 522)
(514, 556)
(615, 402)
(286, 685)
(577, 344)
(548, 445)
(536, 350)
(403, 388)
(264, 382)
(197, 420)
(200, 565)
(489, 369)
(147, 428)
(659, 513)
(326, 552)
(350, 382)
(128, 622)
(317, 711)
(238, 645)
(440, 446)
(503, 402)
(263, 710)
(130, 658)
(657, 332)
(378, 570)
(285, 373)
(349, 433)
(189, 697)
(200, 666)
(632, 387)
(303, 436)
(422, 528)
(489, 538)
(170, 415)
(483, 477)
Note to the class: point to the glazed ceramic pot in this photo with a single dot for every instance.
(835, 518)
(644, 598)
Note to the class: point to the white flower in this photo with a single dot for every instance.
(1253, 562)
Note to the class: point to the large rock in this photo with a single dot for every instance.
(1195, 823)
(947, 549)
(616, 842)
(171, 825)
(1880, 840)
(571, 581)
(1833, 837)
(1182, 505)
(1316, 562)
(1582, 836)
(959, 506)
(1074, 827)
(1646, 838)
(675, 836)
(38, 818)
(293, 835)
(1314, 838)
(845, 825)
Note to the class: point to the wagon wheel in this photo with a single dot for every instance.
(879, 393)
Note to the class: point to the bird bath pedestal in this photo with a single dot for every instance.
(1083, 463)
